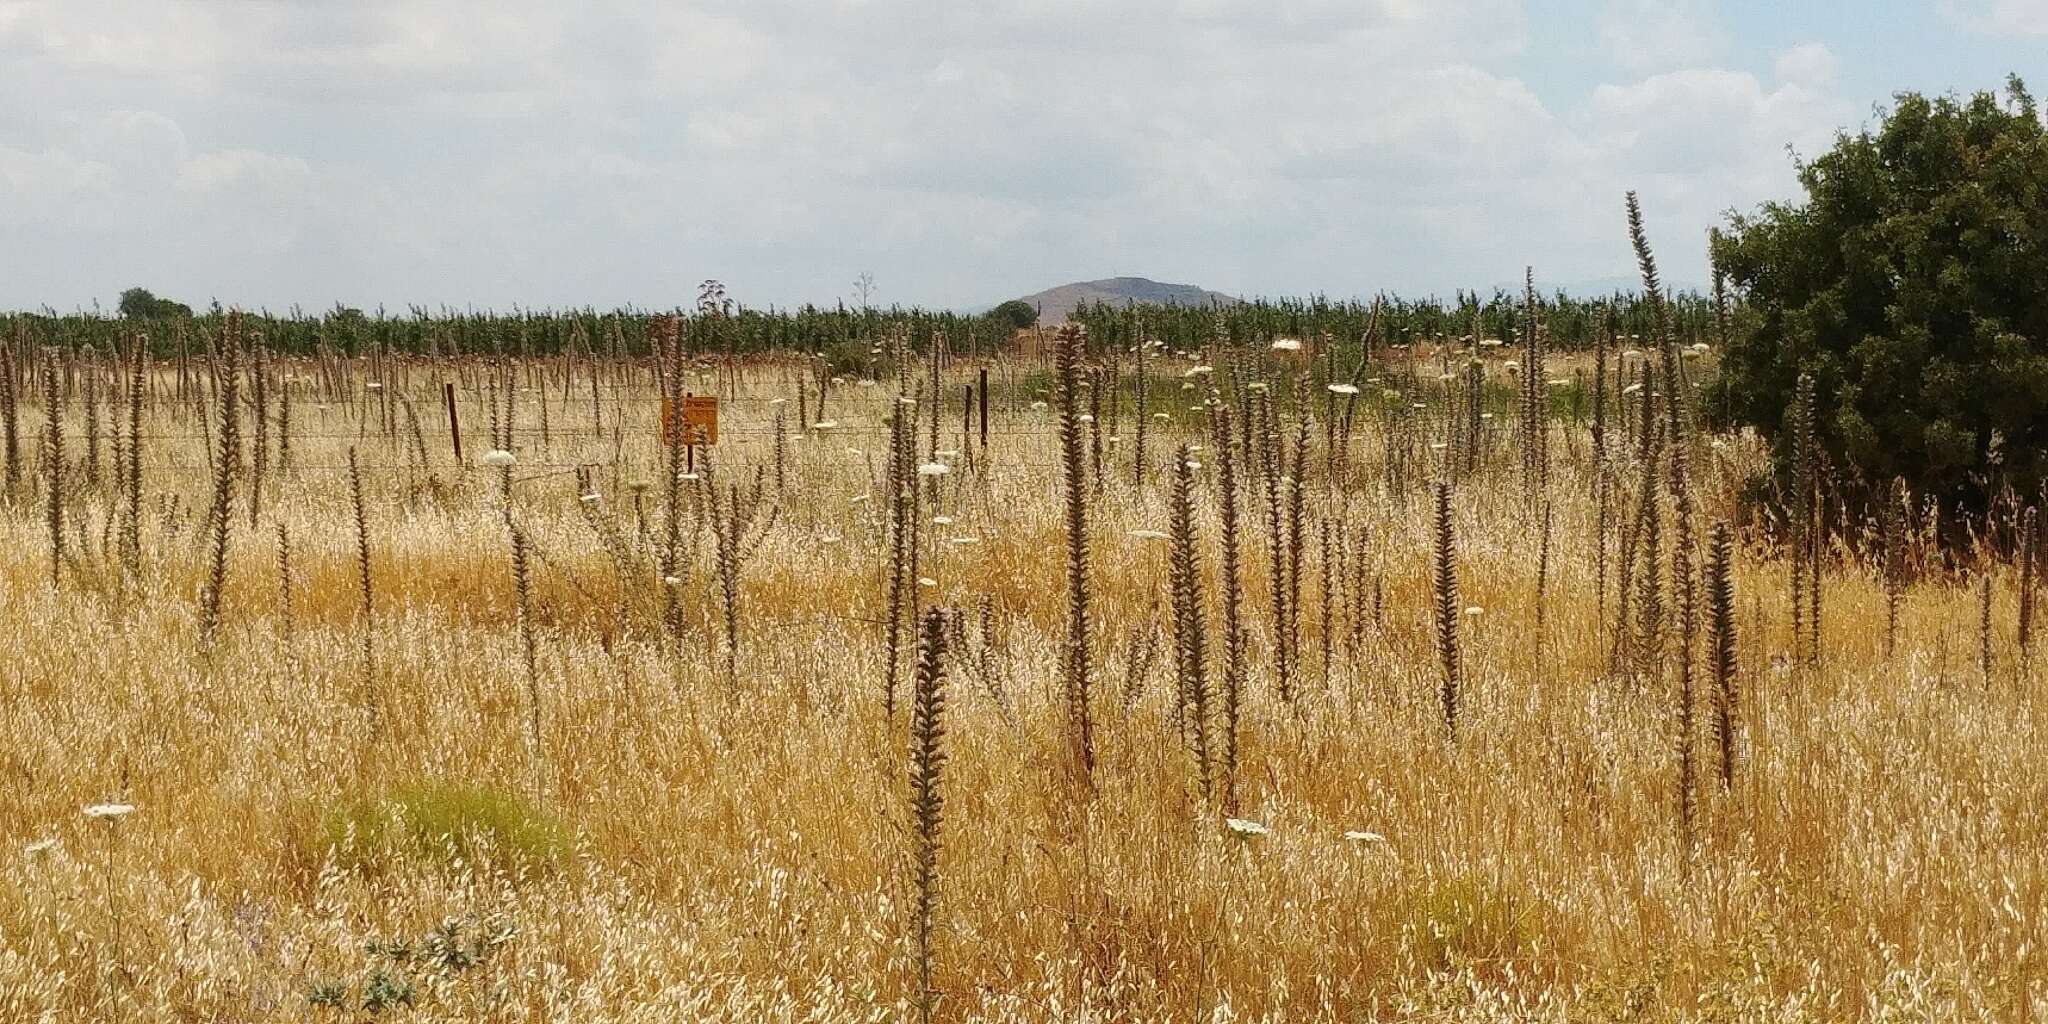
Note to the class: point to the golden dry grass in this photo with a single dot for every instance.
(690, 847)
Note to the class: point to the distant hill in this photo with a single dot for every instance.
(1055, 303)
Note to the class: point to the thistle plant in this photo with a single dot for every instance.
(904, 521)
(1140, 392)
(1984, 652)
(367, 609)
(522, 589)
(284, 421)
(1075, 667)
(1804, 509)
(1894, 539)
(1722, 648)
(53, 466)
(1445, 581)
(259, 419)
(286, 624)
(1685, 592)
(1232, 582)
(90, 374)
(2029, 558)
(1535, 435)
(927, 802)
(1289, 554)
(738, 526)
(1648, 644)
(131, 474)
(227, 460)
(1603, 478)
(1543, 521)
(1660, 325)
(1190, 628)
(674, 451)
(10, 418)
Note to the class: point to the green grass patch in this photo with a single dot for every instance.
(428, 821)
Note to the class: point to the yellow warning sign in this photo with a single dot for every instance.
(700, 419)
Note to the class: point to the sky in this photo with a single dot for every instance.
(394, 153)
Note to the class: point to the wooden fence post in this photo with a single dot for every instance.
(454, 425)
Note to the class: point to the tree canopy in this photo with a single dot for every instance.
(1016, 312)
(1912, 285)
(141, 304)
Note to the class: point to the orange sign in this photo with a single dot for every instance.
(700, 419)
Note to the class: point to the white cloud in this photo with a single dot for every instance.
(1661, 35)
(1810, 64)
(520, 152)
(1699, 142)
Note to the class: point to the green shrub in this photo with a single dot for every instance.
(1017, 313)
(141, 304)
(403, 973)
(1458, 921)
(428, 821)
(852, 358)
(1910, 286)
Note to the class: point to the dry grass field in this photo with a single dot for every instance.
(516, 765)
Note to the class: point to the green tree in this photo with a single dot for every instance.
(141, 304)
(1016, 312)
(1912, 284)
